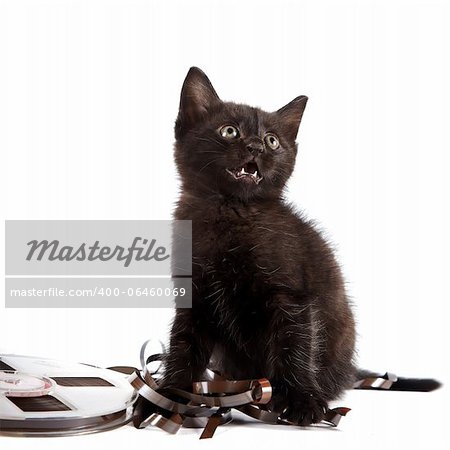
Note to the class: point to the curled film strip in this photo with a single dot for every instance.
(210, 403)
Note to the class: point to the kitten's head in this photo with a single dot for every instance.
(232, 149)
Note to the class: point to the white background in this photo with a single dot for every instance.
(88, 96)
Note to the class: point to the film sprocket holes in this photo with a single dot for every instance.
(45, 397)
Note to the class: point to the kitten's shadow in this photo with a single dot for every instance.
(242, 421)
(256, 424)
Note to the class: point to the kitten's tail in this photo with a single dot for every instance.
(370, 380)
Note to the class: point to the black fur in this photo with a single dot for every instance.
(404, 384)
(268, 294)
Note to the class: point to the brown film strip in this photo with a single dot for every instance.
(210, 403)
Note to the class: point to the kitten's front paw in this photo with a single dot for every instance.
(304, 410)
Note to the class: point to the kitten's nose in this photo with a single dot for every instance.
(255, 147)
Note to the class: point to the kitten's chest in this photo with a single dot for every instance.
(226, 240)
(237, 254)
(238, 262)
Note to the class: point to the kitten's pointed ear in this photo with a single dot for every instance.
(291, 115)
(197, 98)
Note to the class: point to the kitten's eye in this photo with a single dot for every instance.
(229, 132)
(272, 141)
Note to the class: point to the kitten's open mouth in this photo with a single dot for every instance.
(248, 172)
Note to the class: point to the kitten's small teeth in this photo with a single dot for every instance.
(245, 173)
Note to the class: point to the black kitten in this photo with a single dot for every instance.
(268, 295)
